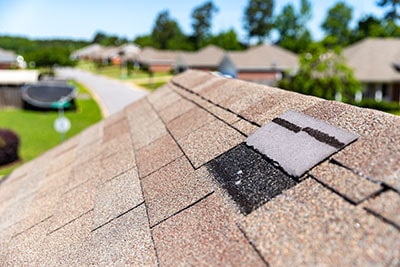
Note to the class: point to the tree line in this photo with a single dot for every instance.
(259, 22)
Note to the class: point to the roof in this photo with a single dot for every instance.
(7, 56)
(264, 57)
(373, 59)
(150, 55)
(195, 174)
(209, 56)
(90, 50)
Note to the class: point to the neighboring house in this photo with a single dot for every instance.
(263, 64)
(207, 171)
(88, 52)
(7, 59)
(373, 61)
(207, 59)
(158, 60)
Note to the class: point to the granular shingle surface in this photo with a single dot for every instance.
(298, 142)
(169, 181)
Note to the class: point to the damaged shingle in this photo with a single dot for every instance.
(298, 142)
(248, 177)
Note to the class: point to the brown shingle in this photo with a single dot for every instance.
(309, 226)
(139, 189)
(173, 188)
(206, 237)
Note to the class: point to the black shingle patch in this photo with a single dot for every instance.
(250, 179)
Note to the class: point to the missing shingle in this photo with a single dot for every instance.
(249, 178)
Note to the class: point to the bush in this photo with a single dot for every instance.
(9, 143)
(382, 105)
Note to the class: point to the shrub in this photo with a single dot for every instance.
(9, 143)
(382, 105)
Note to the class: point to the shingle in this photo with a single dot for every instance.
(245, 127)
(189, 122)
(345, 182)
(172, 188)
(277, 104)
(156, 155)
(117, 196)
(249, 178)
(196, 79)
(325, 110)
(208, 142)
(161, 101)
(83, 172)
(175, 110)
(310, 226)
(117, 163)
(298, 142)
(74, 204)
(386, 205)
(376, 156)
(116, 129)
(124, 241)
(222, 114)
(203, 235)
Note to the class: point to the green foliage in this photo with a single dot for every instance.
(45, 53)
(391, 107)
(322, 73)
(166, 31)
(392, 14)
(202, 17)
(258, 18)
(227, 40)
(108, 40)
(336, 24)
(293, 34)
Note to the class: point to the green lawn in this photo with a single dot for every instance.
(152, 86)
(36, 131)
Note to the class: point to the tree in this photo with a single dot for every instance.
(336, 24)
(164, 30)
(227, 40)
(392, 14)
(323, 73)
(258, 19)
(291, 25)
(202, 17)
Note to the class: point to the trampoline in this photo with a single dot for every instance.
(49, 95)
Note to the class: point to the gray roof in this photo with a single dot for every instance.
(173, 180)
(264, 57)
(209, 56)
(372, 59)
(152, 55)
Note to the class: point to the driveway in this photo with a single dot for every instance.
(112, 95)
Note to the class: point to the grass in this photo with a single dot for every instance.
(36, 131)
(152, 86)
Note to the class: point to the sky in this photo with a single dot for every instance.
(81, 19)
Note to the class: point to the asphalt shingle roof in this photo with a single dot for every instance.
(163, 183)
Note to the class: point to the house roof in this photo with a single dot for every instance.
(7, 56)
(264, 57)
(90, 50)
(210, 56)
(196, 174)
(150, 55)
(373, 59)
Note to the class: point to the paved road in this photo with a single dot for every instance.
(112, 95)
